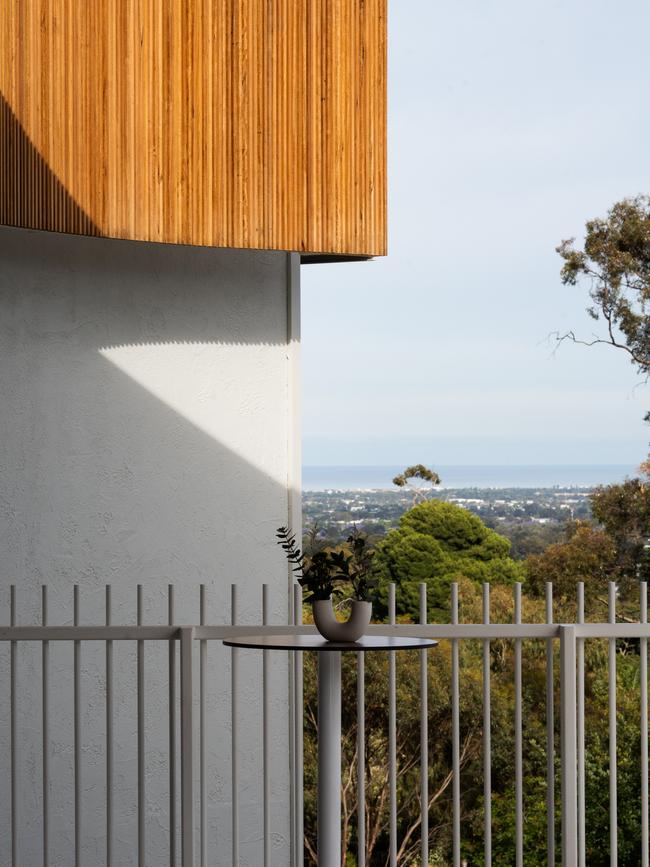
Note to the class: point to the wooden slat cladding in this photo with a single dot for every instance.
(231, 123)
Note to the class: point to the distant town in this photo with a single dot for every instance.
(532, 518)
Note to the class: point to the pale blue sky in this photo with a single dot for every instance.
(510, 124)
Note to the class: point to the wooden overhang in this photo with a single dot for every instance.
(228, 123)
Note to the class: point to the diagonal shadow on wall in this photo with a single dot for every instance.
(31, 195)
(103, 481)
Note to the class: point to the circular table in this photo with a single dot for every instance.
(329, 717)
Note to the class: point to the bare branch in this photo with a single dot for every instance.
(611, 341)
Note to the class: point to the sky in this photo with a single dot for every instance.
(510, 124)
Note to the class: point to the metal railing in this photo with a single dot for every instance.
(187, 694)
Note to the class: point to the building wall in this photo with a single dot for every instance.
(146, 428)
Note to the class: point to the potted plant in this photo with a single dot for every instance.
(324, 572)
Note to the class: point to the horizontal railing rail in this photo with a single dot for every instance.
(460, 631)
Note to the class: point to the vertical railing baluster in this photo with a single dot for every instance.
(519, 773)
(361, 759)
(392, 737)
(643, 676)
(550, 735)
(487, 735)
(568, 749)
(293, 727)
(234, 721)
(424, 739)
(109, 733)
(187, 746)
(141, 745)
(455, 728)
(298, 733)
(266, 741)
(171, 618)
(77, 736)
(613, 795)
(580, 686)
(328, 825)
(203, 731)
(13, 733)
(45, 720)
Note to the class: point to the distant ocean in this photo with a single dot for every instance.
(578, 476)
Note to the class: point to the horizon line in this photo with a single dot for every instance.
(399, 464)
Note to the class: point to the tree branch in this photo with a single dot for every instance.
(611, 341)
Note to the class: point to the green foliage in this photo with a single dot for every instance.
(437, 543)
(624, 512)
(615, 551)
(287, 541)
(471, 734)
(423, 474)
(587, 555)
(616, 262)
(359, 566)
(597, 756)
(324, 570)
(318, 572)
(527, 539)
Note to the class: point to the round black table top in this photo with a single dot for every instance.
(317, 642)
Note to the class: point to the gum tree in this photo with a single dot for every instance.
(614, 261)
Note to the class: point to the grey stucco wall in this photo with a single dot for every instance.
(144, 427)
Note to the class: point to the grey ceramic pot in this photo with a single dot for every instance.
(332, 629)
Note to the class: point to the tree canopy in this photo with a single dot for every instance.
(437, 543)
(624, 512)
(503, 758)
(426, 478)
(615, 260)
(587, 554)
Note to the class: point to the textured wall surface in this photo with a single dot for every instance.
(144, 425)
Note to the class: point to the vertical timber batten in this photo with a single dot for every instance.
(256, 124)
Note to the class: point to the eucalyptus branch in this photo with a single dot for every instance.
(611, 341)
(465, 755)
(615, 262)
